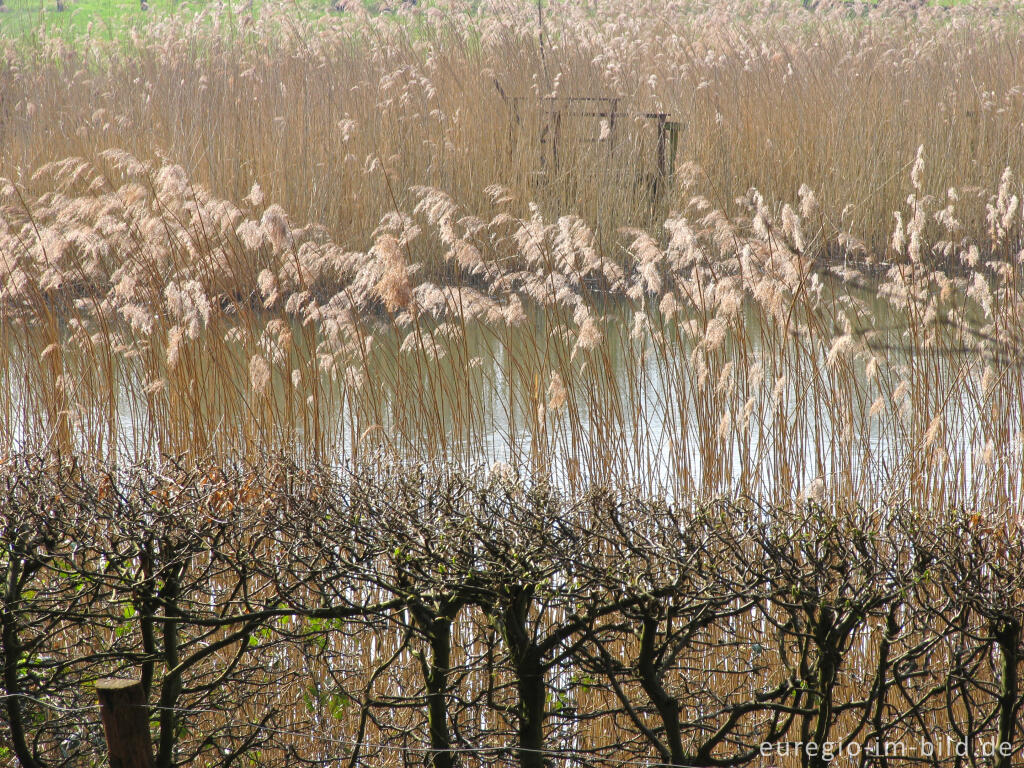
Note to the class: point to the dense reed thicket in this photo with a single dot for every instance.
(229, 236)
(339, 119)
(286, 616)
(142, 316)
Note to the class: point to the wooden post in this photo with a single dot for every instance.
(556, 138)
(125, 722)
(662, 135)
(673, 146)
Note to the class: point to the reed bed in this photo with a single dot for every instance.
(338, 119)
(356, 236)
(146, 317)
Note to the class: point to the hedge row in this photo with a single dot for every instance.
(284, 615)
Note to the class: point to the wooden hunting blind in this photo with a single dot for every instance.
(555, 113)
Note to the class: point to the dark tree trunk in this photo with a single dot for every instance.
(650, 680)
(1008, 638)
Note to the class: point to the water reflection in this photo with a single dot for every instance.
(646, 405)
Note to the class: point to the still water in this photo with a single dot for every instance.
(644, 405)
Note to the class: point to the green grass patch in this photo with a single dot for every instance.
(111, 19)
(28, 17)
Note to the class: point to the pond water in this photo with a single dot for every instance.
(646, 403)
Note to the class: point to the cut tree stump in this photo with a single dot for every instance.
(125, 722)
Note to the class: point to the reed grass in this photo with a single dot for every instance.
(336, 238)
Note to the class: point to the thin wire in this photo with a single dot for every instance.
(91, 707)
(47, 704)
